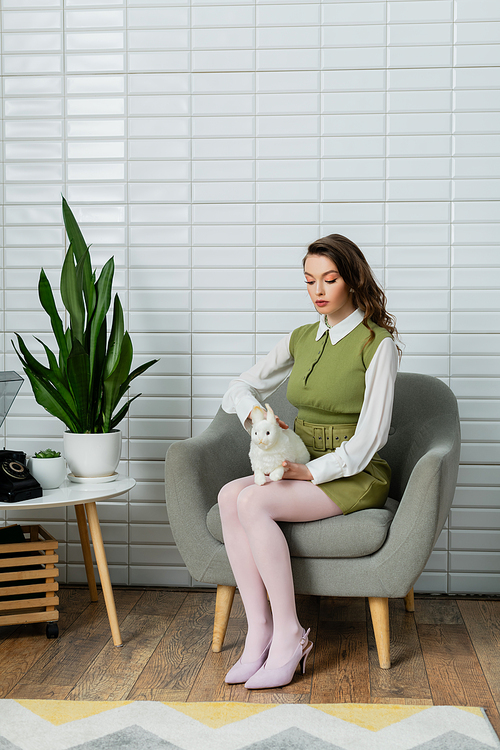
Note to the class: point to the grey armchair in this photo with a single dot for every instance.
(377, 553)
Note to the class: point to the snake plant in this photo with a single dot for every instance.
(84, 384)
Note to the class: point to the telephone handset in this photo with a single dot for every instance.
(16, 483)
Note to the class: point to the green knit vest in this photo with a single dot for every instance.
(327, 383)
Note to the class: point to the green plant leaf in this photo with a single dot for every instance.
(48, 397)
(103, 301)
(82, 255)
(47, 301)
(71, 294)
(112, 384)
(79, 381)
(115, 338)
(122, 413)
(96, 388)
(135, 373)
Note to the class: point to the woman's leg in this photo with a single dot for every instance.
(259, 509)
(252, 590)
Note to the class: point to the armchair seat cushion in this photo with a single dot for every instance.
(355, 535)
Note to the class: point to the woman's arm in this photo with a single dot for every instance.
(373, 425)
(255, 385)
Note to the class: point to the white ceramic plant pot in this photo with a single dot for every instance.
(50, 473)
(93, 456)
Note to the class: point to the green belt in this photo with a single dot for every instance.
(323, 437)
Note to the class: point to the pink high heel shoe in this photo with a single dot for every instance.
(270, 678)
(242, 671)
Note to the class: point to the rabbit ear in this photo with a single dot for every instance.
(258, 414)
(270, 414)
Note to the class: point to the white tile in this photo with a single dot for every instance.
(223, 83)
(477, 189)
(158, 83)
(158, 39)
(353, 102)
(477, 278)
(160, 148)
(288, 213)
(425, 300)
(468, 10)
(223, 343)
(175, 278)
(41, 172)
(152, 61)
(286, 59)
(417, 278)
(419, 101)
(470, 145)
(161, 170)
(225, 192)
(272, 148)
(475, 101)
(353, 12)
(96, 171)
(242, 59)
(223, 322)
(223, 126)
(157, 17)
(281, 278)
(475, 343)
(223, 38)
(288, 15)
(353, 58)
(288, 104)
(34, 20)
(353, 146)
(288, 36)
(210, 278)
(154, 235)
(29, 85)
(231, 365)
(473, 234)
(288, 169)
(424, 10)
(86, 107)
(478, 33)
(282, 300)
(217, 16)
(223, 170)
(418, 212)
(405, 80)
(231, 104)
(476, 322)
(353, 169)
(28, 64)
(94, 19)
(152, 256)
(157, 127)
(369, 190)
(95, 128)
(33, 107)
(463, 211)
(158, 105)
(430, 168)
(353, 80)
(436, 56)
(419, 190)
(96, 150)
(95, 40)
(288, 191)
(102, 192)
(223, 214)
(274, 125)
(26, 43)
(286, 235)
(224, 235)
(94, 63)
(420, 33)
(365, 124)
(223, 148)
(353, 36)
(159, 214)
(23, 150)
(477, 122)
(285, 81)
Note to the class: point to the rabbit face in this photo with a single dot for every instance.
(265, 430)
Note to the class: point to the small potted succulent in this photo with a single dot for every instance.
(49, 468)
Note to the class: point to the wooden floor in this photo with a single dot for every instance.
(446, 653)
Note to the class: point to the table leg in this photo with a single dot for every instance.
(87, 555)
(102, 566)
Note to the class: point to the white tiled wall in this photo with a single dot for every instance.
(204, 144)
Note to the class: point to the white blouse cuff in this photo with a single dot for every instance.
(326, 468)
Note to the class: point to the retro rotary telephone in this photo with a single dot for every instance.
(16, 483)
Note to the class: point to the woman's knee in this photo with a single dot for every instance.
(251, 504)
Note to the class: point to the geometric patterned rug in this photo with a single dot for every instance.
(150, 725)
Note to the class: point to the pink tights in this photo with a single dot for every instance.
(260, 559)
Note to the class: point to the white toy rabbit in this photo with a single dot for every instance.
(271, 445)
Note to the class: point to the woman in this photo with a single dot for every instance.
(341, 373)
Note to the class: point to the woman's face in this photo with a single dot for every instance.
(327, 289)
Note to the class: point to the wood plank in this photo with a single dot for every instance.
(27, 644)
(113, 673)
(172, 670)
(454, 672)
(437, 612)
(341, 672)
(407, 676)
(482, 620)
(70, 656)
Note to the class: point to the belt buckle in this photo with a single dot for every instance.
(319, 438)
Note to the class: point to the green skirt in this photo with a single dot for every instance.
(368, 489)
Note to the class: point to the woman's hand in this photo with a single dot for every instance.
(296, 471)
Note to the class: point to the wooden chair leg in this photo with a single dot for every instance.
(223, 604)
(379, 609)
(410, 601)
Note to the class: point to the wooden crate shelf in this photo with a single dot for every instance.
(28, 582)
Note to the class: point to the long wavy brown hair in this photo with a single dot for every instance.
(354, 269)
